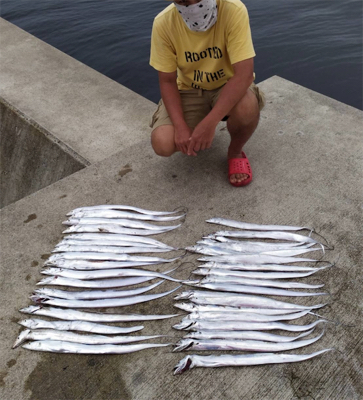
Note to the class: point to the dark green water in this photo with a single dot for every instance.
(315, 44)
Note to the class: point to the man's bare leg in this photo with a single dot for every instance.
(163, 141)
(241, 124)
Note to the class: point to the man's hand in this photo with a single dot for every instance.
(182, 136)
(202, 137)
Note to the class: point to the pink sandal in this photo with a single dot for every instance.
(240, 166)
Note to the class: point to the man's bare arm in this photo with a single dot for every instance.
(171, 98)
(234, 90)
(231, 94)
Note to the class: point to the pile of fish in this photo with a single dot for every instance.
(97, 257)
(230, 313)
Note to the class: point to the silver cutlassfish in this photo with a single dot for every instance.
(126, 223)
(230, 279)
(237, 288)
(111, 214)
(114, 237)
(49, 334)
(85, 265)
(195, 361)
(101, 303)
(245, 335)
(76, 315)
(254, 259)
(261, 275)
(108, 249)
(121, 207)
(242, 316)
(94, 294)
(105, 273)
(113, 228)
(81, 326)
(238, 300)
(190, 307)
(241, 345)
(56, 346)
(241, 266)
(211, 325)
(256, 227)
(105, 257)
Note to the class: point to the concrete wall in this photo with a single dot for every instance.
(58, 115)
(30, 157)
(92, 114)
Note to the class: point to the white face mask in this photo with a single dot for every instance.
(199, 17)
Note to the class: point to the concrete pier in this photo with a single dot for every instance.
(57, 101)
(306, 157)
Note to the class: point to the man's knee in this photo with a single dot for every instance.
(162, 140)
(246, 111)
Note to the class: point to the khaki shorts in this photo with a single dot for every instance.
(197, 103)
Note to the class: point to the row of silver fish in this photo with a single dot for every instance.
(99, 256)
(230, 313)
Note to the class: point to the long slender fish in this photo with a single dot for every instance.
(126, 223)
(69, 315)
(94, 294)
(105, 257)
(221, 235)
(225, 273)
(241, 345)
(102, 242)
(211, 325)
(240, 246)
(85, 265)
(109, 242)
(195, 361)
(49, 334)
(114, 237)
(55, 346)
(226, 242)
(102, 303)
(238, 300)
(245, 335)
(106, 273)
(113, 228)
(81, 326)
(256, 227)
(123, 214)
(236, 288)
(107, 249)
(94, 284)
(219, 251)
(242, 316)
(261, 267)
(234, 301)
(190, 307)
(230, 279)
(121, 207)
(255, 259)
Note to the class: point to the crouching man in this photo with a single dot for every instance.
(203, 52)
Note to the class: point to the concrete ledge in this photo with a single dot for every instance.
(90, 113)
(31, 157)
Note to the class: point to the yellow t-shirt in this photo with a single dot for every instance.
(201, 59)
